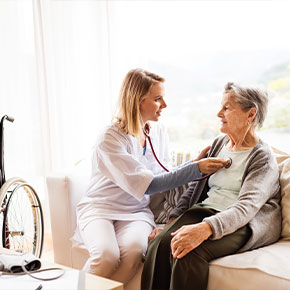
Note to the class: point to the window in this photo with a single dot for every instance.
(198, 46)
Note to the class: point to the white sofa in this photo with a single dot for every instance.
(267, 268)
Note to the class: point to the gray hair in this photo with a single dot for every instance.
(250, 97)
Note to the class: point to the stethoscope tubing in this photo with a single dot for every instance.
(150, 142)
(154, 154)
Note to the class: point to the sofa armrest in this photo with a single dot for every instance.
(58, 194)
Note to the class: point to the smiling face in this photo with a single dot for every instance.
(234, 120)
(152, 104)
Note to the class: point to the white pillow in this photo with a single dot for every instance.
(283, 160)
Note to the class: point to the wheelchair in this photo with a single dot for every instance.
(21, 213)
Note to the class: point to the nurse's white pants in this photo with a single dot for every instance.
(115, 247)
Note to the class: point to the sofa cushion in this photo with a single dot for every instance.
(228, 278)
(168, 201)
(273, 260)
(283, 160)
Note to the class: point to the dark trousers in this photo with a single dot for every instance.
(162, 271)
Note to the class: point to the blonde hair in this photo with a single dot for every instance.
(135, 87)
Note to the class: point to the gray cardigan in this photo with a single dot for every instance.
(258, 203)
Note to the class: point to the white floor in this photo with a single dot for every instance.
(47, 252)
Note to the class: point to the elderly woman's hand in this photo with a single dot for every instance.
(188, 238)
(210, 165)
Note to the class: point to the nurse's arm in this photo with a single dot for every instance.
(174, 178)
(185, 174)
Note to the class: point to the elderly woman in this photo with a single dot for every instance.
(228, 213)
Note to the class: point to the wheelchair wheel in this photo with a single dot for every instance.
(22, 224)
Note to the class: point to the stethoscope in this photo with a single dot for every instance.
(146, 131)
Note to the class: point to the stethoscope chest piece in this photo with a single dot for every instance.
(230, 161)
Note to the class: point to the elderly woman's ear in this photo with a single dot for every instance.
(252, 114)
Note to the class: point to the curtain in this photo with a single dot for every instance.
(77, 65)
(62, 63)
(20, 91)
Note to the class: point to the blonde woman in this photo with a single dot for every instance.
(114, 219)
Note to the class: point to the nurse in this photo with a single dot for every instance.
(114, 219)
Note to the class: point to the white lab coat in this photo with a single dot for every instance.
(120, 176)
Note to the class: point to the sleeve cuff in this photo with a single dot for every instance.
(217, 232)
(142, 186)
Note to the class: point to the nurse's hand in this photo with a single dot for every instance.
(202, 154)
(211, 165)
(189, 237)
(154, 233)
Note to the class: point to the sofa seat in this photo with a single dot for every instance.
(266, 268)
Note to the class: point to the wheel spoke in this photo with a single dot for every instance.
(23, 219)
